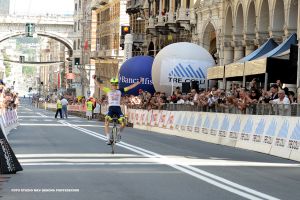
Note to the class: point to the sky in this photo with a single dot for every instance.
(41, 7)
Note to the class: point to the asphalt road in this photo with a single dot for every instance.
(68, 159)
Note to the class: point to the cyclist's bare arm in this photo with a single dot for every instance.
(134, 84)
(97, 83)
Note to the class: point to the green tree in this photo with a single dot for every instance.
(28, 70)
(6, 64)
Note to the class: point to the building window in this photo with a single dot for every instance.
(74, 45)
(75, 7)
(98, 18)
(167, 5)
(78, 45)
(78, 24)
(177, 5)
(75, 26)
(156, 7)
(187, 3)
(79, 4)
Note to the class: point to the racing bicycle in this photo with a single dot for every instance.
(114, 134)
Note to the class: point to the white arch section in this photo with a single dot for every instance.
(228, 22)
(67, 42)
(250, 18)
(264, 18)
(278, 19)
(209, 34)
(239, 20)
(292, 16)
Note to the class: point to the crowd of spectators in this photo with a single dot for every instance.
(236, 100)
(8, 98)
(249, 100)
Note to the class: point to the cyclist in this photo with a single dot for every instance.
(114, 99)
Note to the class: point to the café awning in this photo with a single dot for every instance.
(259, 66)
(237, 69)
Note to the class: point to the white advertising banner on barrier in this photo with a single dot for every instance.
(206, 123)
(138, 114)
(198, 123)
(184, 120)
(145, 117)
(275, 135)
(162, 119)
(280, 143)
(149, 117)
(178, 118)
(191, 122)
(154, 118)
(171, 120)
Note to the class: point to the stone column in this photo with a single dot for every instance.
(192, 13)
(128, 46)
(249, 49)
(160, 17)
(171, 11)
(238, 52)
(182, 10)
(228, 53)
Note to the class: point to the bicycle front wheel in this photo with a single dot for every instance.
(113, 138)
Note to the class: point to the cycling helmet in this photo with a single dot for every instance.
(114, 81)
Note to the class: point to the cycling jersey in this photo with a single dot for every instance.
(114, 96)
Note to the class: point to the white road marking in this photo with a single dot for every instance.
(30, 116)
(177, 160)
(197, 173)
(41, 114)
(54, 125)
(74, 164)
(81, 155)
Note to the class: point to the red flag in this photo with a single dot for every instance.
(86, 45)
(58, 80)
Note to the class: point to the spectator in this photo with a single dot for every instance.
(265, 97)
(291, 96)
(274, 91)
(64, 103)
(253, 84)
(244, 101)
(279, 84)
(97, 109)
(58, 109)
(89, 109)
(282, 104)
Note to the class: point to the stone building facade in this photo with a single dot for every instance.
(229, 30)
(241, 26)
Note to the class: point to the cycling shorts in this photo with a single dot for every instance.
(114, 110)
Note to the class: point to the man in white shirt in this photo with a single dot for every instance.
(282, 103)
(64, 103)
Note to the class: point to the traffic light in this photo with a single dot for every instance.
(125, 30)
(77, 61)
(22, 59)
(30, 29)
(122, 46)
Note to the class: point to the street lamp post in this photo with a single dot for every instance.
(83, 69)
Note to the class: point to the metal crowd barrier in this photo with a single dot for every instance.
(253, 109)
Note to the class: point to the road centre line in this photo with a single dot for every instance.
(75, 163)
(53, 125)
(41, 114)
(200, 174)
